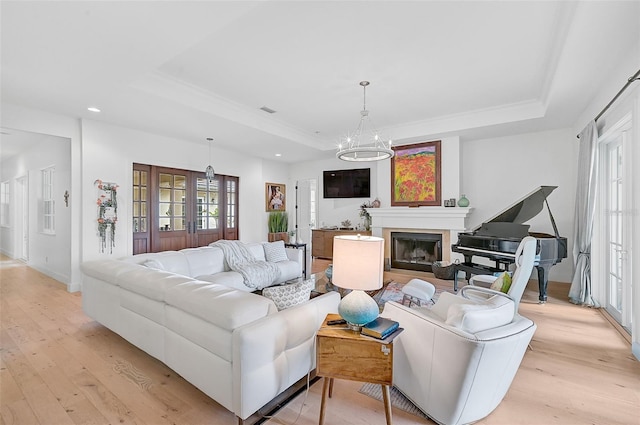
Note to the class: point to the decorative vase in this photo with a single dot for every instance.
(463, 201)
(329, 272)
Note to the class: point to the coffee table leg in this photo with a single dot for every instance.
(386, 398)
(325, 390)
(330, 387)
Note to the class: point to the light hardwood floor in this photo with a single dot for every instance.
(58, 366)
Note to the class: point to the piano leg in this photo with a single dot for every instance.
(543, 279)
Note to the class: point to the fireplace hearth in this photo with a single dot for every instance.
(415, 251)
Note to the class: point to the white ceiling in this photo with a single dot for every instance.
(193, 70)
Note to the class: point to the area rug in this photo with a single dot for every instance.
(398, 400)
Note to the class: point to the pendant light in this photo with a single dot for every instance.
(365, 144)
(209, 173)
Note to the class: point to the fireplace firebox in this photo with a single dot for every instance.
(415, 251)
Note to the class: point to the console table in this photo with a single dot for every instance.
(322, 240)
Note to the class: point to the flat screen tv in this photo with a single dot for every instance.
(347, 183)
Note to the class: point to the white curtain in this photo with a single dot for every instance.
(580, 292)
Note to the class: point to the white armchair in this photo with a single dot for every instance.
(457, 360)
(525, 258)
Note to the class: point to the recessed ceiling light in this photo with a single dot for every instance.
(93, 109)
(278, 154)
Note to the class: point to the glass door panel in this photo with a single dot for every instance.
(618, 227)
(141, 234)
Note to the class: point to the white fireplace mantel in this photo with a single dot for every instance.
(440, 218)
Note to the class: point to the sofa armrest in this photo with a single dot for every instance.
(271, 354)
(295, 254)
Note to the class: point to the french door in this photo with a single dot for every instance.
(175, 209)
(616, 203)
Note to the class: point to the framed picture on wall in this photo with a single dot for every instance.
(416, 175)
(275, 197)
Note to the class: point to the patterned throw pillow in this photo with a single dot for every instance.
(286, 296)
(274, 251)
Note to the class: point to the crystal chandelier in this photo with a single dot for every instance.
(209, 173)
(365, 144)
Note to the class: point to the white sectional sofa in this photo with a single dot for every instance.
(195, 317)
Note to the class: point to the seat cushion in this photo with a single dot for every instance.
(492, 313)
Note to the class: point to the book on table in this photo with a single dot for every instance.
(380, 328)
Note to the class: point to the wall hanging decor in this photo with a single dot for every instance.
(415, 175)
(107, 214)
(275, 197)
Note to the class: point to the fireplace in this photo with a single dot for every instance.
(415, 251)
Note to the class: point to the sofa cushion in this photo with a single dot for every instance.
(205, 260)
(171, 261)
(256, 250)
(286, 296)
(288, 270)
(492, 313)
(231, 279)
(149, 282)
(218, 304)
(274, 251)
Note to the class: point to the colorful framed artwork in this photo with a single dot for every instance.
(415, 175)
(275, 197)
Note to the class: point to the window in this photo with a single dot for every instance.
(48, 204)
(4, 204)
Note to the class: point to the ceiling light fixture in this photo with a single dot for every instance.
(365, 144)
(209, 173)
(93, 109)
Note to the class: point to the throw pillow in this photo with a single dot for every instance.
(274, 251)
(287, 296)
(497, 284)
(506, 285)
(502, 283)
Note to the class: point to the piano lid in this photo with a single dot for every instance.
(524, 209)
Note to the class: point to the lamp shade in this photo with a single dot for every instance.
(358, 262)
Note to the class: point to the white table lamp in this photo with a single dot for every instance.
(358, 265)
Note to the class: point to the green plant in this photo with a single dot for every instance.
(278, 221)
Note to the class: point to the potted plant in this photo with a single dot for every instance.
(278, 225)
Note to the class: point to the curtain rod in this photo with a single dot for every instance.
(630, 80)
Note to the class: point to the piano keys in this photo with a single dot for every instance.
(498, 238)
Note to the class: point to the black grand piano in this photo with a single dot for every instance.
(499, 237)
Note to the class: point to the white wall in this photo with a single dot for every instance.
(110, 151)
(331, 212)
(101, 151)
(48, 253)
(498, 172)
(35, 121)
(492, 173)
